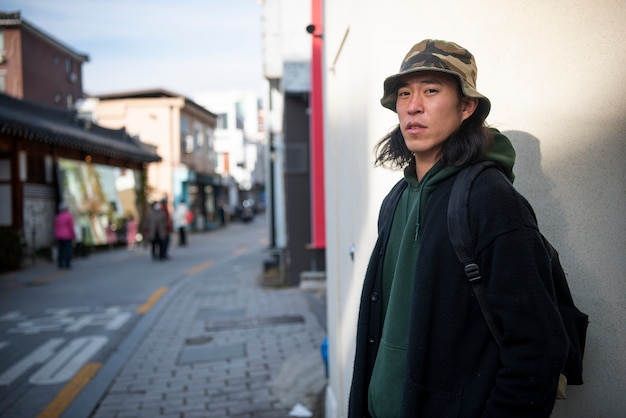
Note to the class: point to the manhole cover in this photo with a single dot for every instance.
(207, 352)
(253, 322)
(213, 314)
(202, 339)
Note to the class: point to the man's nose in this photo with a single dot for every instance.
(416, 104)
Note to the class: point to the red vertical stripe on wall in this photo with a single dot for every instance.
(318, 215)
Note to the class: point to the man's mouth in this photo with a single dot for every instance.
(414, 127)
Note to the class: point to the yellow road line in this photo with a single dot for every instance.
(152, 300)
(49, 278)
(199, 268)
(241, 250)
(67, 395)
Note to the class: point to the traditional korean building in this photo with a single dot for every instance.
(48, 156)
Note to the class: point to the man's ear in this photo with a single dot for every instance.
(468, 106)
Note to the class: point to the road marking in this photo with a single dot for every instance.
(199, 268)
(68, 320)
(10, 281)
(69, 360)
(38, 356)
(152, 300)
(67, 395)
(12, 316)
(112, 319)
(241, 250)
(48, 278)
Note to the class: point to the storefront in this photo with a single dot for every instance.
(101, 198)
(205, 196)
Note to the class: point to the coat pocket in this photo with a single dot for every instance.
(427, 402)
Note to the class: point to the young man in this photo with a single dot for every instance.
(423, 346)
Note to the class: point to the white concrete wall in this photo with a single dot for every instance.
(554, 72)
(284, 34)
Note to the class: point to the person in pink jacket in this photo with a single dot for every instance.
(64, 235)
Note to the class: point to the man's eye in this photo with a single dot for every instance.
(403, 93)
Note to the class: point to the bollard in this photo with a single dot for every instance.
(324, 350)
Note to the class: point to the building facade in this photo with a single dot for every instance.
(239, 145)
(183, 134)
(295, 220)
(36, 67)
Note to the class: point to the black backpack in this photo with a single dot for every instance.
(575, 321)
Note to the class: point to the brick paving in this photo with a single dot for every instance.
(224, 346)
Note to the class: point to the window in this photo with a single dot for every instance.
(209, 143)
(35, 167)
(68, 65)
(5, 169)
(70, 101)
(240, 114)
(48, 169)
(188, 147)
(184, 126)
(210, 139)
(3, 81)
(184, 130)
(6, 215)
(198, 135)
(222, 121)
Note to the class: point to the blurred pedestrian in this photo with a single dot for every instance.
(111, 235)
(156, 230)
(169, 228)
(64, 234)
(181, 222)
(131, 232)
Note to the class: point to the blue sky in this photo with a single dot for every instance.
(186, 46)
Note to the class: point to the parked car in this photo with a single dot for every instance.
(245, 211)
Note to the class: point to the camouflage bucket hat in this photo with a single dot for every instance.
(436, 55)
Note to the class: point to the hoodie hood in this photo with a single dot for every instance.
(503, 154)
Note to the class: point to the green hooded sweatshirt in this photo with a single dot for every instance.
(385, 390)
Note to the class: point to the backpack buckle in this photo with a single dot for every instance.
(472, 272)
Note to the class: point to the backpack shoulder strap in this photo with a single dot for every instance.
(461, 237)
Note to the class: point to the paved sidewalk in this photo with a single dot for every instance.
(224, 348)
(219, 345)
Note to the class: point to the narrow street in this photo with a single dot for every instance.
(197, 335)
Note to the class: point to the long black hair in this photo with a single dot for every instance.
(468, 144)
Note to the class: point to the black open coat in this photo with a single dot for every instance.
(454, 366)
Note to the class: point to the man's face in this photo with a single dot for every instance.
(430, 110)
